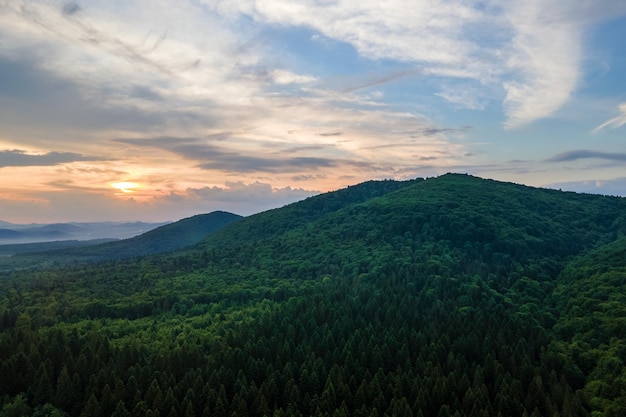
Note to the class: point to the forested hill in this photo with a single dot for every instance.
(450, 296)
(166, 238)
(483, 220)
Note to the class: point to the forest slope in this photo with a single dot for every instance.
(489, 224)
(166, 238)
(591, 299)
(443, 297)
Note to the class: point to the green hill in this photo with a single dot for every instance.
(167, 238)
(451, 296)
(489, 224)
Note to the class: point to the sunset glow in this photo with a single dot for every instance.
(158, 111)
(125, 187)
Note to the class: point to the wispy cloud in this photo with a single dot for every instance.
(70, 8)
(544, 60)
(544, 56)
(435, 131)
(587, 154)
(98, 48)
(532, 50)
(429, 31)
(215, 157)
(282, 77)
(467, 97)
(615, 122)
(20, 158)
(525, 53)
(382, 80)
(73, 27)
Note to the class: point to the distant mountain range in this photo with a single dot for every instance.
(30, 233)
(164, 238)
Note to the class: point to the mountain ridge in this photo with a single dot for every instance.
(411, 205)
(11, 233)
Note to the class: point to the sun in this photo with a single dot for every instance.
(125, 186)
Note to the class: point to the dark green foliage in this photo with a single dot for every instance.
(591, 296)
(12, 249)
(451, 296)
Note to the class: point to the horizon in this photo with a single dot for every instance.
(157, 111)
(131, 221)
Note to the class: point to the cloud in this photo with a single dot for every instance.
(154, 58)
(285, 139)
(307, 177)
(615, 122)
(382, 80)
(587, 154)
(20, 77)
(435, 131)
(98, 48)
(431, 33)
(530, 50)
(613, 186)
(146, 93)
(70, 8)
(428, 31)
(259, 193)
(283, 77)
(214, 157)
(544, 55)
(464, 96)
(231, 162)
(88, 71)
(236, 197)
(37, 106)
(544, 60)
(19, 158)
(70, 202)
(298, 149)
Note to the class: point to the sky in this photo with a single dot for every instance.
(156, 110)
